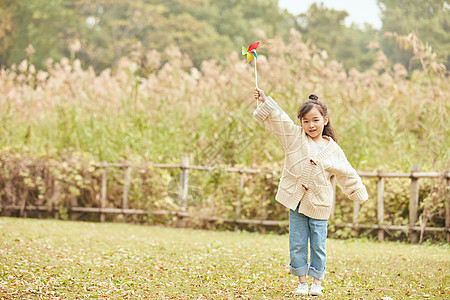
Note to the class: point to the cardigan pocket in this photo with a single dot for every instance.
(288, 182)
(323, 196)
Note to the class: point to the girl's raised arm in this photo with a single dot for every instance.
(275, 119)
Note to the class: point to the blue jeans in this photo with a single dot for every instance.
(302, 228)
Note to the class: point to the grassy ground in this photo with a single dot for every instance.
(62, 259)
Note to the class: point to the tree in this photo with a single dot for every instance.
(429, 19)
(110, 29)
(203, 29)
(47, 25)
(114, 27)
(326, 29)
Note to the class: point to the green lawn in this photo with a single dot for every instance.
(63, 259)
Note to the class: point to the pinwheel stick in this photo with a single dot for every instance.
(256, 74)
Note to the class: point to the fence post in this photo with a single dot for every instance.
(263, 211)
(447, 207)
(183, 189)
(103, 198)
(212, 223)
(356, 207)
(413, 205)
(239, 201)
(126, 190)
(380, 207)
(73, 203)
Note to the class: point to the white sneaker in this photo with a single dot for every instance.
(302, 289)
(316, 290)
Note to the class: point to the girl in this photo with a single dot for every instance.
(312, 156)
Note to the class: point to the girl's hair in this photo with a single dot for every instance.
(313, 101)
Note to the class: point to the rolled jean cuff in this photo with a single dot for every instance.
(316, 274)
(301, 271)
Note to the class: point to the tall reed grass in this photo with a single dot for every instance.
(386, 118)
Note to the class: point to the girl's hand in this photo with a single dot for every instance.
(259, 95)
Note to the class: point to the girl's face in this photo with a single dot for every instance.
(313, 123)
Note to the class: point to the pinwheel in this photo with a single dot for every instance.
(250, 53)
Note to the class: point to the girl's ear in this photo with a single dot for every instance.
(326, 120)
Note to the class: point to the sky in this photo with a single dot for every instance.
(360, 11)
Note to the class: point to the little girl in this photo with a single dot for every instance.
(312, 156)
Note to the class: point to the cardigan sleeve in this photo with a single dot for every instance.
(350, 181)
(277, 121)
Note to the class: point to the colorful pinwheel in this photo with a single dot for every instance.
(250, 53)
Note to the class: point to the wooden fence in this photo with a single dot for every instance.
(412, 229)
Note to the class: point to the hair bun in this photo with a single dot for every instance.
(313, 97)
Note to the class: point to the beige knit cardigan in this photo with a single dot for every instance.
(306, 175)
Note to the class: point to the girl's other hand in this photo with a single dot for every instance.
(259, 95)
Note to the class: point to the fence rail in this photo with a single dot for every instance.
(415, 175)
